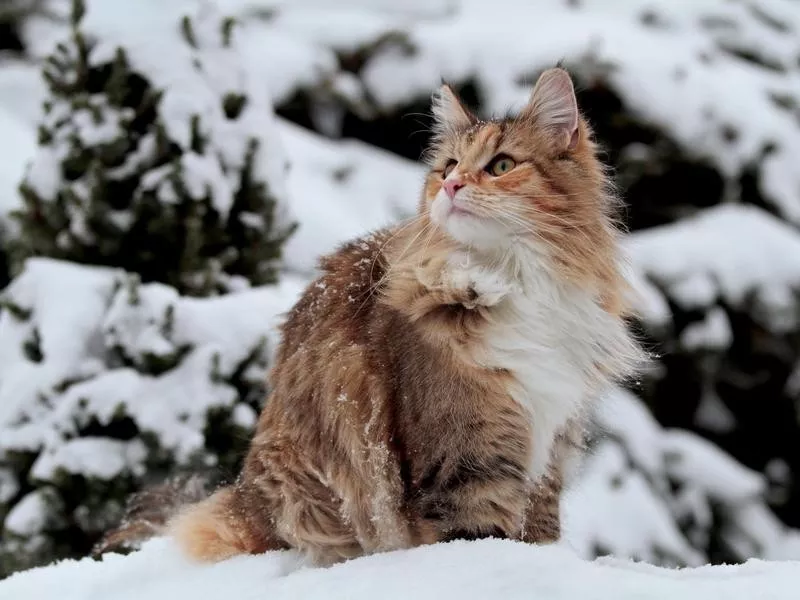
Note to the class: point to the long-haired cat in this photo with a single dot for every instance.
(432, 383)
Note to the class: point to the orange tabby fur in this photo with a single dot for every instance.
(397, 416)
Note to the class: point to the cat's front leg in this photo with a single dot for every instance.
(543, 514)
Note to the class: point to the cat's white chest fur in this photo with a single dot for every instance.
(551, 336)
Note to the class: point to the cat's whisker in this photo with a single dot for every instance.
(538, 229)
(523, 205)
(378, 284)
(541, 217)
(426, 245)
(505, 217)
(412, 221)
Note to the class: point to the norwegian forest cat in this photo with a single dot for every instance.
(433, 382)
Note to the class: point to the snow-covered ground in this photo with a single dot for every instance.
(462, 570)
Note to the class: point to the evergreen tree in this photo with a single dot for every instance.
(158, 157)
(168, 183)
(109, 384)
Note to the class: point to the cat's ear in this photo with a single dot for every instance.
(553, 107)
(449, 113)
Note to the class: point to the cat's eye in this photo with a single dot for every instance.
(451, 164)
(500, 165)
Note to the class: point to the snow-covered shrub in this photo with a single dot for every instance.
(158, 155)
(728, 283)
(105, 382)
(668, 496)
(720, 293)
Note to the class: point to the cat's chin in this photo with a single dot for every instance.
(466, 227)
(474, 231)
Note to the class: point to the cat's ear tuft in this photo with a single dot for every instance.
(553, 107)
(449, 113)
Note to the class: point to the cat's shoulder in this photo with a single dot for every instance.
(347, 277)
(358, 260)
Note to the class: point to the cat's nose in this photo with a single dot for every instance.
(451, 186)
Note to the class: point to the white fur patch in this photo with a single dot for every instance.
(552, 336)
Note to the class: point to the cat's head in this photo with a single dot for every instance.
(533, 178)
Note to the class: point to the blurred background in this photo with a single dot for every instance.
(169, 172)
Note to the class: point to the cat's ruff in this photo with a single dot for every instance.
(549, 333)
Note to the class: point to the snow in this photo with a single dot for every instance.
(23, 88)
(296, 42)
(173, 406)
(98, 458)
(712, 333)
(737, 253)
(712, 414)
(43, 173)
(614, 509)
(625, 417)
(18, 146)
(698, 462)
(195, 321)
(301, 64)
(29, 515)
(672, 63)
(199, 75)
(98, 123)
(605, 525)
(639, 481)
(676, 74)
(467, 570)
(44, 404)
(9, 486)
(194, 81)
(348, 183)
(83, 293)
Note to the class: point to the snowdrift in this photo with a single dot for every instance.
(464, 570)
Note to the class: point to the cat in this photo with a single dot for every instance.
(434, 382)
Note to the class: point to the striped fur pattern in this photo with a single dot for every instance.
(434, 381)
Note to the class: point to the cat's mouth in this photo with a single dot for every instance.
(460, 209)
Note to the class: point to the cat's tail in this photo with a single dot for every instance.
(148, 512)
(206, 528)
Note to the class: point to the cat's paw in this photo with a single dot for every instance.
(477, 286)
(491, 287)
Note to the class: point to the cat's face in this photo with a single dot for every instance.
(532, 178)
